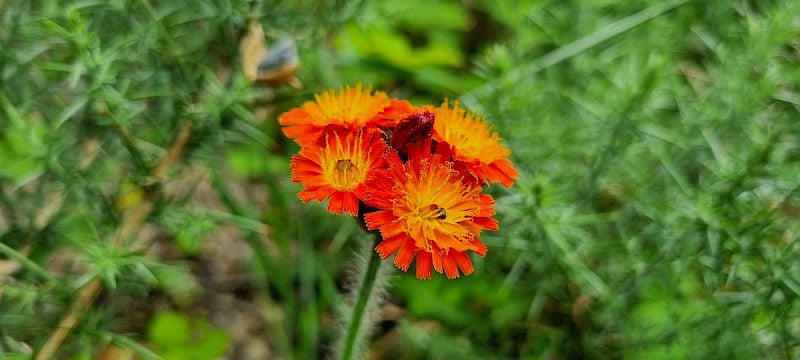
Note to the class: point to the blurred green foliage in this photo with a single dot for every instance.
(656, 213)
(418, 41)
(178, 338)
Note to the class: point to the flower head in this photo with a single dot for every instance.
(352, 108)
(426, 211)
(339, 169)
(473, 143)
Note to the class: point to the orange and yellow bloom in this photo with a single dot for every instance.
(417, 174)
(474, 144)
(339, 170)
(428, 212)
(351, 109)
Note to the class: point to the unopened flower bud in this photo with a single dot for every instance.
(415, 129)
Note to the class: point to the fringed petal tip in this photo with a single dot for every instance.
(343, 202)
(296, 116)
(318, 193)
(389, 246)
(405, 254)
(395, 110)
(502, 171)
(424, 263)
(450, 263)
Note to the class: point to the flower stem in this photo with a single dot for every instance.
(355, 329)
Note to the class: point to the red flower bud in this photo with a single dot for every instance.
(415, 129)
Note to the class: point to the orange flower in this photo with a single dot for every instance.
(474, 144)
(352, 108)
(339, 169)
(427, 211)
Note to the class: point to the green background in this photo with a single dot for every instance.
(655, 215)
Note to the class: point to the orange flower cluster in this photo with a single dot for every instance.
(415, 174)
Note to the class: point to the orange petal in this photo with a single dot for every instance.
(296, 116)
(377, 219)
(303, 167)
(340, 202)
(360, 191)
(336, 203)
(502, 171)
(405, 254)
(478, 247)
(379, 190)
(436, 255)
(392, 228)
(315, 193)
(463, 261)
(423, 265)
(390, 246)
(487, 223)
(449, 264)
(486, 204)
(395, 165)
(395, 111)
(350, 203)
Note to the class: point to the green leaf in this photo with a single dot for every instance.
(181, 339)
(71, 109)
(169, 330)
(212, 344)
(23, 146)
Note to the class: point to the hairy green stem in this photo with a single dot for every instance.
(355, 329)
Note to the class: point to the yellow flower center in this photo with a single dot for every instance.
(426, 215)
(344, 163)
(346, 174)
(434, 212)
